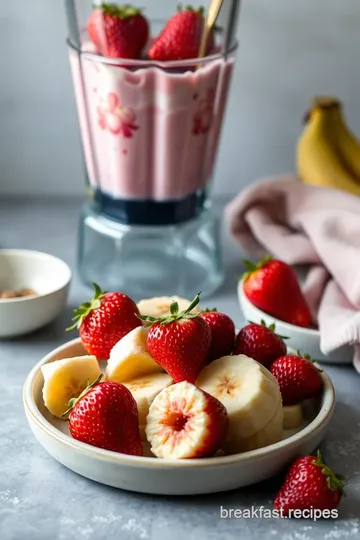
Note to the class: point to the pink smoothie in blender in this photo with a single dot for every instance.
(150, 130)
(151, 98)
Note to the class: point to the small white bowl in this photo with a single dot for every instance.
(48, 276)
(165, 476)
(307, 340)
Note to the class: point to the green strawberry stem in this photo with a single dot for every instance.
(272, 327)
(175, 315)
(122, 12)
(308, 357)
(189, 7)
(207, 310)
(253, 266)
(85, 309)
(334, 481)
(73, 401)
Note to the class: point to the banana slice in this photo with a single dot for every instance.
(145, 389)
(160, 306)
(249, 392)
(65, 379)
(270, 434)
(129, 358)
(293, 416)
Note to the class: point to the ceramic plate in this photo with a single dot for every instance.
(162, 476)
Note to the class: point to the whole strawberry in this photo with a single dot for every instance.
(181, 37)
(260, 343)
(272, 286)
(298, 378)
(222, 333)
(310, 483)
(106, 416)
(104, 320)
(118, 31)
(180, 343)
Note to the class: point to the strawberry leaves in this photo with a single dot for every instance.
(334, 481)
(86, 308)
(175, 315)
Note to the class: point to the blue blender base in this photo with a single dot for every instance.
(150, 260)
(149, 212)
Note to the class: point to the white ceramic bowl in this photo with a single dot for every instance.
(307, 340)
(163, 476)
(48, 276)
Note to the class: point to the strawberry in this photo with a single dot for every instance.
(272, 286)
(298, 378)
(180, 343)
(104, 320)
(106, 415)
(309, 484)
(118, 31)
(222, 333)
(260, 343)
(181, 37)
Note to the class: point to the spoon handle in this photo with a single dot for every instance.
(212, 15)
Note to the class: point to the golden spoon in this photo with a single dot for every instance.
(212, 15)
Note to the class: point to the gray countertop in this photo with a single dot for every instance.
(41, 500)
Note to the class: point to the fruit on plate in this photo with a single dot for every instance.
(144, 390)
(298, 378)
(65, 379)
(104, 320)
(250, 395)
(293, 416)
(323, 152)
(180, 39)
(106, 416)
(310, 484)
(179, 343)
(272, 286)
(185, 422)
(160, 306)
(260, 343)
(222, 333)
(129, 358)
(118, 31)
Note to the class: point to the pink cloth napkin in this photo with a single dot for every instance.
(317, 227)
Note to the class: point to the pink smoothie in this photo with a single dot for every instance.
(149, 133)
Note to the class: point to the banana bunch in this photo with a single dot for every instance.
(328, 153)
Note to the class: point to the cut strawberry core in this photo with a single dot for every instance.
(177, 421)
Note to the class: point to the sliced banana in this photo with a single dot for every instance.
(249, 392)
(129, 358)
(160, 306)
(66, 379)
(145, 389)
(269, 434)
(293, 416)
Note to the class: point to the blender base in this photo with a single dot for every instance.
(146, 261)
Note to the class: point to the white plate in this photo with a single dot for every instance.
(161, 476)
(307, 340)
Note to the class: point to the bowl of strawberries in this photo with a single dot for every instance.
(165, 397)
(270, 292)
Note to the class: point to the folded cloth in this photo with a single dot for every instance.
(316, 227)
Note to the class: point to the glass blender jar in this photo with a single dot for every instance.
(150, 132)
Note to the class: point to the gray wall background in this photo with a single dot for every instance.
(290, 50)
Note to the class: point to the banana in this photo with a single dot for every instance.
(293, 416)
(144, 390)
(346, 142)
(129, 358)
(160, 306)
(249, 392)
(269, 434)
(65, 379)
(319, 161)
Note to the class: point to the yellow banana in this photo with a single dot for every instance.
(347, 144)
(319, 162)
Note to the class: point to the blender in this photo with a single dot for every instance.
(150, 131)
